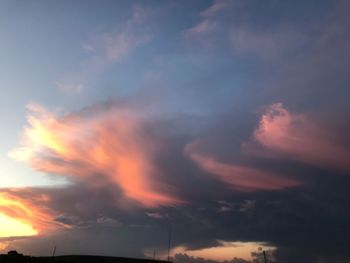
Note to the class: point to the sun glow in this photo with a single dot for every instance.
(24, 213)
(225, 250)
(10, 227)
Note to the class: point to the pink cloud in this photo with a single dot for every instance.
(239, 177)
(297, 136)
(103, 147)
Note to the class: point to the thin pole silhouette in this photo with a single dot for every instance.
(169, 242)
(265, 256)
(54, 251)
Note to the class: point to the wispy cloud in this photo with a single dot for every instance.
(70, 89)
(204, 26)
(156, 215)
(108, 48)
(269, 44)
(217, 6)
(227, 25)
(208, 20)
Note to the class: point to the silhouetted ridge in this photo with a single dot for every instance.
(19, 258)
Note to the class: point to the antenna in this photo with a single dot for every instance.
(54, 251)
(169, 242)
(265, 256)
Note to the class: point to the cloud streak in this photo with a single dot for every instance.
(239, 177)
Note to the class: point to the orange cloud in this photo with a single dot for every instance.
(238, 176)
(22, 215)
(100, 147)
(299, 137)
(224, 251)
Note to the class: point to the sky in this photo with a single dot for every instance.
(223, 122)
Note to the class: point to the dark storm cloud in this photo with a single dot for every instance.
(305, 216)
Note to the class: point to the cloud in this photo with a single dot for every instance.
(299, 137)
(216, 7)
(184, 258)
(234, 26)
(26, 212)
(269, 44)
(70, 88)
(114, 46)
(97, 200)
(104, 146)
(156, 215)
(208, 21)
(108, 48)
(239, 177)
(231, 195)
(107, 221)
(204, 26)
(223, 251)
(247, 205)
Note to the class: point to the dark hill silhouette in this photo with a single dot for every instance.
(19, 258)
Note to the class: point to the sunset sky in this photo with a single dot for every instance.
(226, 122)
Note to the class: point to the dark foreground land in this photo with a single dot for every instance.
(73, 259)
